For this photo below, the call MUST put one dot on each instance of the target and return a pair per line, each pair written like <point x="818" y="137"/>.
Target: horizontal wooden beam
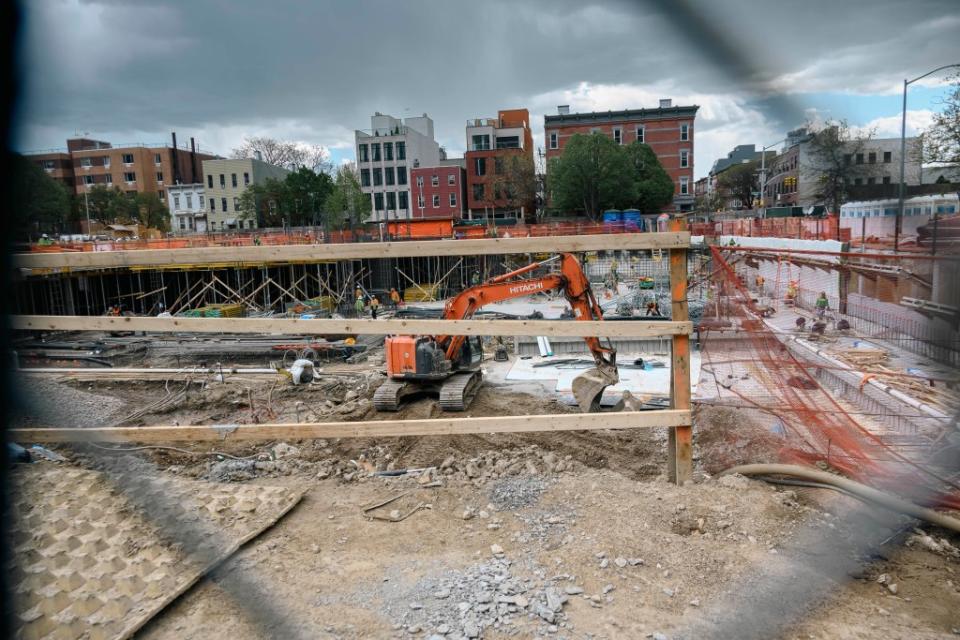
<point x="352" y="251"/>
<point x="328" y="326"/>
<point x="454" y="425"/>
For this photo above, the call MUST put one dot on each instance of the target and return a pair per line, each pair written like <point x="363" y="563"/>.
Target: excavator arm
<point x="589" y="386"/>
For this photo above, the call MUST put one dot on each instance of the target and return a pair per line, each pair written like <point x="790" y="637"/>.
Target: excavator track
<point x="459" y="390"/>
<point x="387" y="397"/>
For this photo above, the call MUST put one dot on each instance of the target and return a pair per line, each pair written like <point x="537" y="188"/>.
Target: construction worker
<point x="394" y="297"/>
<point x="358" y="305"/>
<point x="374" y="305"/>
<point x="475" y="278"/>
<point x="653" y="308"/>
<point x="759" y="282"/>
<point x="822" y="304"/>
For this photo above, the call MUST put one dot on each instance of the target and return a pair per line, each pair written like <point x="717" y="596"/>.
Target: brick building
<point x="439" y="192"/>
<point x="491" y="144"/>
<point x="133" y="168"/>
<point x="669" y="131"/>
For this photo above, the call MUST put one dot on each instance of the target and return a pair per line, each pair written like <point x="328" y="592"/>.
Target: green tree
<point x="267" y="203"/>
<point x="44" y="203"/>
<point x="594" y="173"/>
<point x="151" y="212"/>
<point x="346" y="202"/>
<point x="741" y="181"/>
<point x="104" y="205"/>
<point x="654" y="188"/>
<point x="305" y="194"/>
<point x="516" y="182"/>
<point x="941" y="142"/>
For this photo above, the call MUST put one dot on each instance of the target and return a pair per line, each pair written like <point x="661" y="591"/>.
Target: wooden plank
<point x="350" y="251"/>
<point x="455" y="425"/>
<point x="680" y="438"/>
<point x="363" y="326"/>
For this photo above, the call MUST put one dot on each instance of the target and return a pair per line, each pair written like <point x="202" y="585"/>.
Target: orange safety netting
<point x="816" y="428"/>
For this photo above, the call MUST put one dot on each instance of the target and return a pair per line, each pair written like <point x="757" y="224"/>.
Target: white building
<point x="877" y="218"/>
<point x="187" y="211"/>
<point x="386" y="153"/>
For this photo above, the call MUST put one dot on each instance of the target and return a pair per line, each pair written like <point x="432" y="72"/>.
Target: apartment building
<point x="669" y="131"/>
<point x="439" y="192"/>
<point x="187" y="206"/>
<point x="386" y="153"/>
<point x="224" y="183"/>
<point x="134" y="168"/>
<point x="491" y="145"/>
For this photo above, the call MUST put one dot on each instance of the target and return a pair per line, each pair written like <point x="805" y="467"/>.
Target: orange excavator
<point x="449" y="366"/>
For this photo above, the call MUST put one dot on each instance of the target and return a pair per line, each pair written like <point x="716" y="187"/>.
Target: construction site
<point x="609" y="435"/>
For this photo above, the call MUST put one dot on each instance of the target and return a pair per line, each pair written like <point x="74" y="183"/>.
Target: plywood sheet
<point x="87" y="563"/>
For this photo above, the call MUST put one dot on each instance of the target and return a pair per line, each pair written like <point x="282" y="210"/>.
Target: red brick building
<point x="438" y="192"/>
<point x="669" y="131"/>
<point x="134" y="169"/>
<point x="491" y="143"/>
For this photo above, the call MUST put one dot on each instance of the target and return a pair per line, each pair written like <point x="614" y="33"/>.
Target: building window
<point x="159" y="176"/>
<point x="847" y="159"/>
<point x="481" y="143"/>
<point x="858" y="181"/>
<point x="420" y="182"/>
<point x="618" y="135"/>
<point x="377" y="177"/>
<point x="223" y="204"/>
<point x="213" y="204"/>
<point x="451" y="179"/>
<point x="189" y="202"/>
<point x="871" y="181"/>
<point x="498" y="166"/>
<point x="453" y="199"/>
<point x="887" y="157"/>
<point x="684" y="158"/>
<point x="478" y="192"/>
<point x="859" y="158"/>
<point x="640" y="133"/>
<point x="108" y="178"/>
<point x="85" y="163"/>
<point x="872" y="157"/>
<point x="378" y="201"/>
<point x="223" y="181"/>
<point x="401" y="150"/>
<point x="375" y="147"/>
<point x="420" y="201"/>
<point x="364" y="177"/>
<point x="481" y="166"/>
<point x="403" y="203"/>
<point x="130" y="176"/>
<point x="106" y="162"/>
<point x="157" y="159"/>
<point x="508" y="142"/>
<point x="436" y="201"/>
<point x="246" y="178"/>
<point x="128" y="158"/>
<point x="210" y="181"/>
<point x="401" y="175"/>
<point x="553" y="139"/>
<point x="391" y="201"/>
<point x="87" y="179"/>
<point x="886" y="179"/>
<point x="389" y="175"/>
<point x="684" y="132"/>
<point x="363" y="153"/>
<point x="388" y="151"/>
<point x="233" y="180"/>
<point x="434" y="180"/>
<point x="49" y="165"/>
<point x="236" y="204"/>
<point x="684" y="185"/>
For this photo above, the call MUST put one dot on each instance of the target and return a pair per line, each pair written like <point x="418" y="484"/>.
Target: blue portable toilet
<point x="612" y="216"/>
<point x="631" y="219"/>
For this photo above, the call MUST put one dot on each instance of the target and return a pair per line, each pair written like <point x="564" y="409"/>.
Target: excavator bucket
<point x="588" y="386"/>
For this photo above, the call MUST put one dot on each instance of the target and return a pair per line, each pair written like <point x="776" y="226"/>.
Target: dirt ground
<point x="584" y="519"/>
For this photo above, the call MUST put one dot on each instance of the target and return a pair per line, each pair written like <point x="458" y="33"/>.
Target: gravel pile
<point x="518" y="492"/>
<point x="485" y="597"/>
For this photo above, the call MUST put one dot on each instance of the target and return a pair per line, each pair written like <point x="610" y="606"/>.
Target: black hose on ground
<point x="860" y="491"/>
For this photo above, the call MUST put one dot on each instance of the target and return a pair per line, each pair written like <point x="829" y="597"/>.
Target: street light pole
<point x="86" y="204"/>
<point x="898" y="223"/>
<point x="763" y="174"/>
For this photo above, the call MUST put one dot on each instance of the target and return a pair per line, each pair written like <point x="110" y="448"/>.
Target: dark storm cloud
<point x="315" y="71"/>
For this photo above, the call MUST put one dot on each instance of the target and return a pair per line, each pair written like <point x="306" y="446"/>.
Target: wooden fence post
<point x="680" y="439"/>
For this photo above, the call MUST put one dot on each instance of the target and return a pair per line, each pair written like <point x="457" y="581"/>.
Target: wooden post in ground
<point x="680" y="439"/>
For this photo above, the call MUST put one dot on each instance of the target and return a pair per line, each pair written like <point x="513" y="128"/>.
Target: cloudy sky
<point x="219" y="70"/>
